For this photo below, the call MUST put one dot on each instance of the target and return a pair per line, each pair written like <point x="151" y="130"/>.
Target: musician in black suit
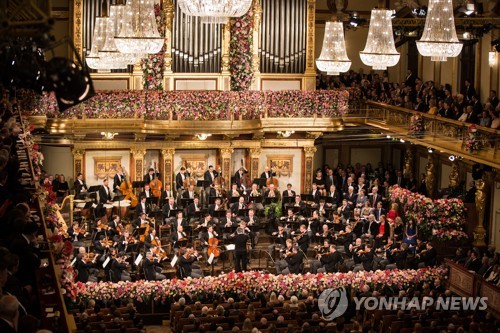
<point x="168" y="207"/>
<point x="104" y="192"/>
<point x="151" y="269"/>
<point x="167" y="193"/>
<point x="189" y="193"/>
<point x="271" y="192"/>
<point x="315" y="193"/>
<point x="179" y="221"/>
<point x="294" y="261"/>
<point x="210" y="175"/>
<point x="177" y="234"/>
<point x="335" y="197"/>
<point x="188" y="257"/>
<point x="142" y="207"/>
<point x="150" y="176"/>
<point x="237" y="207"/>
<point x="83" y="269"/>
<point x="267" y="173"/>
<point x="239" y="175"/>
<point x="240" y="251"/>
<point x="216" y="206"/>
<point x="280" y="238"/>
<point x="117" y="181"/>
<point x="228" y="223"/>
<point x="429" y="257"/>
<point x="118" y="267"/>
<point x="302" y="238"/>
<point x="366" y="259"/>
<point x="80" y="186"/>
<point x="179" y="179"/>
<point x="253" y="224"/>
<point x="330" y="261"/>
<point x="288" y="193"/>
<point x="193" y="208"/>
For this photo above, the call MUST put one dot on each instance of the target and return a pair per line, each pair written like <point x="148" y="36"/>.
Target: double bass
<point x="245" y="180"/>
<point x="272" y="180"/>
<point x="155" y="185"/>
<point x="128" y="192"/>
<point x="188" y="180"/>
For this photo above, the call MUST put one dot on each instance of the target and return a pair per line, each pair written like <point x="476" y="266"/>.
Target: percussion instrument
<point x="121" y="208"/>
<point x="109" y="210"/>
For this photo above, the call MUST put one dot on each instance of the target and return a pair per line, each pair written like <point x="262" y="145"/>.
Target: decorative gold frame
<point x="282" y="165"/>
<point x="197" y="164"/>
<point x="106" y="166"/>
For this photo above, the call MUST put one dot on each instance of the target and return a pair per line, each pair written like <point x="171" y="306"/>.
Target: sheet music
<point x="211" y="258"/>
<point x="138" y="260"/>
<point x="230" y="247"/>
<point x="174" y="261"/>
<point x="106" y="262"/>
<point x="73" y="262"/>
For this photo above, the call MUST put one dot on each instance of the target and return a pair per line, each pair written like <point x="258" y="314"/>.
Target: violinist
<point x="355" y="250"/>
<point x="142" y="207"/>
<point x="240" y="250"/>
<point x="325" y="234"/>
<point x="149" y="239"/>
<point x="216" y="206"/>
<point x="177" y="236"/>
<point x="168" y="208"/>
<point x="293" y="262"/>
<point x="389" y="250"/>
<point x="189" y="193"/>
<point x="188" y="257"/>
<point x="84" y="269"/>
<point x="346" y="238"/>
<point x="101" y="247"/>
<point x="313" y="224"/>
<point x="179" y="179"/>
<point x="289" y="220"/>
<point x="118" y="180"/>
<point x="357" y="225"/>
<point x="301" y="238"/>
<point x="125" y="240"/>
<point x="118" y="268"/>
<point x="113" y="226"/>
<point x="152" y="270"/>
<point x="322" y="211"/>
<point x="366" y="257"/>
<point x="193" y="208"/>
<point x="76" y="234"/>
<point x="330" y="261"/>
<point x="150" y="176"/>
<point x="280" y="238"/>
<point x="320" y="249"/>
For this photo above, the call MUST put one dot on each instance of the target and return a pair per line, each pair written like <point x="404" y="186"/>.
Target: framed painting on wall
<point x="196" y="164"/>
<point x="106" y="166"/>
<point x="282" y="165"/>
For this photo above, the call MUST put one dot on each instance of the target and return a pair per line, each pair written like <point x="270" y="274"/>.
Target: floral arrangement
<point x="240" y="51"/>
<point x="152" y="66"/>
<point x="442" y="219"/>
<point x="251" y="284"/>
<point x="33" y="148"/>
<point x="416" y="125"/>
<point x="471" y="141"/>
<point x="202" y="105"/>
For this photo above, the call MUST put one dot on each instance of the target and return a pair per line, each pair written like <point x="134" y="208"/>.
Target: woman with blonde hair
<point x="393" y="212"/>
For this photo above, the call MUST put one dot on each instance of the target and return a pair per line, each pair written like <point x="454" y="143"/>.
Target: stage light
<point x="452" y="158"/>
<point x="430" y="150"/>
<point x="388" y="136"/>
<point x="402" y="140"/>
<point x="71" y="84"/>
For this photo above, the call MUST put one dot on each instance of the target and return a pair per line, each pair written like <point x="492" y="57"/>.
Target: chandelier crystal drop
<point x="215" y="11"/>
<point x="439" y="39"/>
<point x="95" y="59"/>
<point x="380" y="51"/>
<point x="139" y="32"/>
<point x="333" y="58"/>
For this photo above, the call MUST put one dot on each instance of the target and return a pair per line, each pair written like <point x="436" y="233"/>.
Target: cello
<point x="213" y="247"/>
<point x="245" y="180"/>
<point x="156" y="185"/>
<point x="128" y="192"/>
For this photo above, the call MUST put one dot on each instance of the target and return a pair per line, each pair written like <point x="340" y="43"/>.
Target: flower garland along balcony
<point x="199" y="105"/>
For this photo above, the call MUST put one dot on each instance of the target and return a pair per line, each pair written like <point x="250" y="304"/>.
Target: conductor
<point x="240" y="250"/>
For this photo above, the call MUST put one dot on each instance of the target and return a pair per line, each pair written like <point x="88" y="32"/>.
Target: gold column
<point x="309" y="81"/>
<point x="308" y="168"/>
<point x="430" y="176"/>
<point x="168" y="80"/>
<point x="481" y="196"/>
<point x="137" y="164"/>
<point x="409" y="161"/>
<point x="168" y="166"/>
<point x="78" y="161"/>
<point x="454" y="175"/>
<point x="226" y="75"/>
<point x="254" y="162"/>
<point x="77" y="26"/>
<point x="226" y="155"/>
<point x="257" y="17"/>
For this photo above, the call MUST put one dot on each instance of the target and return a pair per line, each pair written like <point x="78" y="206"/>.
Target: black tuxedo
<point x="208" y="177"/>
<point x="303" y="242"/>
<point x="316" y="195"/>
<point x="185" y="264"/>
<point x="185" y="195"/>
<point x="175" y="224"/>
<point x="83" y="270"/>
<point x="192" y="209"/>
<point x="139" y="209"/>
<point x="103" y="195"/>
<point x="79" y="187"/>
<point x="179" y="182"/>
<point x="294" y="262"/>
<point x="267" y="174"/>
<point x="281" y="239"/>
<point x="240" y="252"/>
<point x="276" y="194"/>
<point x="335" y="197"/>
<point x="149" y="178"/>
<point x="211" y="209"/>
<point x="149" y="269"/>
<point x="166" y="209"/>
<point x="331" y="261"/>
<point x="367" y="260"/>
<point x="345" y="212"/>
<point x="174" y="238"/>
<point x="285" y="194"/>
<point x="117" y="181"/>
<point x="165" y="195"/>
<point x="372" y="227"/>
<point x="117" y="269"/>
<point x="235" y="208"/>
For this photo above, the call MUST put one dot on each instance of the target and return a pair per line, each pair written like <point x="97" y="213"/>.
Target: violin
<point x="88" y="257"/>
<point x="299" y="236"/>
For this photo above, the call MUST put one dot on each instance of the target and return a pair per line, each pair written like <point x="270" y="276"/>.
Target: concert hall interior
<point x="252" y="165"/>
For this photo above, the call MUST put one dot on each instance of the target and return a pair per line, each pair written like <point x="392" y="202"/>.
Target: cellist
<point x="205" y="239"/>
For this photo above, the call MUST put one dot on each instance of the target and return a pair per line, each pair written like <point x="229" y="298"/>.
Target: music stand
<point x="243" y="212"/>
<point x="296" y="209"/>
<point x="174" y="211"/>
<point x="234" y="199"/>
<point x="307" y="197"/>
<point x="94" y="188"/>
<point x="199" y="215"/>
<point x="327" y="199"/>
<point x="149" y="201"/>
<point x="118" y="198"/>
<point x="219" y="213"/>
<point x="270" y="200"/>
<point x="83" y="196"/>
<point x="186" y="201"/>
<point x="288" y="200"/>
<point x="260" y="181"/>
<point x="138" y="184"/>
<point x="211" y="200"/>
<point x="257" y="199"/>
<point x="202" y="183"/>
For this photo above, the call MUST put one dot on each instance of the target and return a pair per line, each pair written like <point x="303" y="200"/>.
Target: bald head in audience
<point x="9" y="310"/>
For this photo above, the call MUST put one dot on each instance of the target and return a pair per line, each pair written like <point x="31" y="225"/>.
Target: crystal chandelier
<point x="333" y="59"/>
<point x="439" y="40"/>
<point x="215" y="11"/>
<point x="139" y="32"/>
<point x="380" y="51"/>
